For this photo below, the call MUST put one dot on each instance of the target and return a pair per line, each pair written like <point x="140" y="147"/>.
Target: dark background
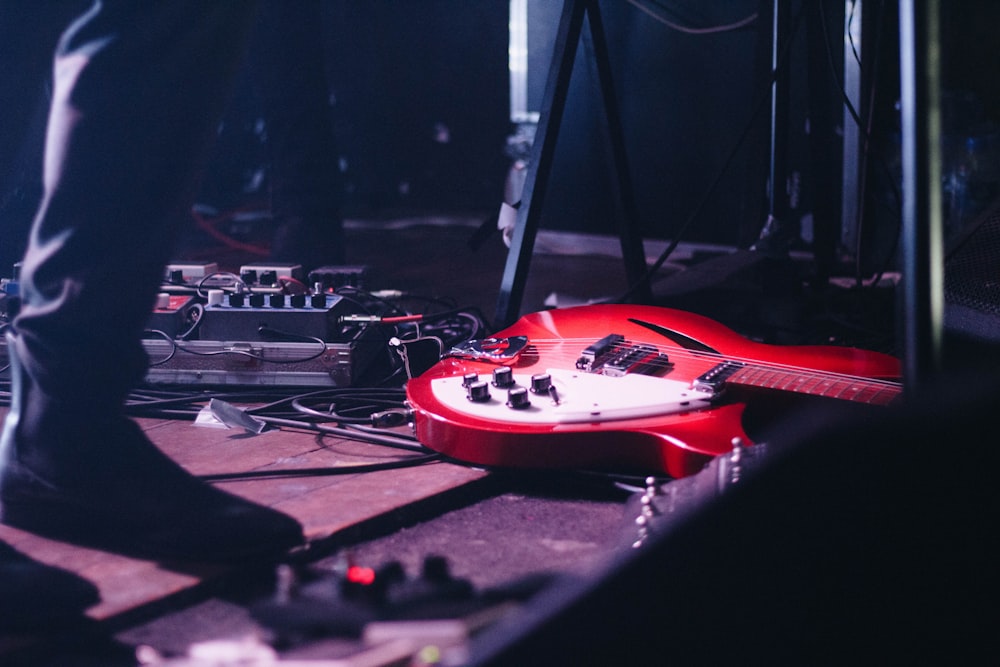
<point x="420" y="100"/>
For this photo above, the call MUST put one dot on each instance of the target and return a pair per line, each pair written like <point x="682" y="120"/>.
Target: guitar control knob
<point x="276" y="300"/>
<point x="478" y="391"/>
<point x="257" y="300"/>
<point x="540" y="383"/>
<point x="469" y="378"/>
<point x="503" y="377"/>
<point x="517" y="398"/>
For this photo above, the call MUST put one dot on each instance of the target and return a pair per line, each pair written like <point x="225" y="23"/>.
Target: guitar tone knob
<point x="478" y="392"/>
<point x="517" y="398"/>
<point x="469" y="378"/>
<point x="503" y="377"/>
<point x="540" y="383"/>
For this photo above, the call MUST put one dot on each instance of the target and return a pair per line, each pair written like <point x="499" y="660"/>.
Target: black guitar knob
<point x="540" y="383"/>
<point x="503" y="377"/>
<point x="517" y="398"/>
<point x="478" y="392"/>
<point x="469" y="378"/>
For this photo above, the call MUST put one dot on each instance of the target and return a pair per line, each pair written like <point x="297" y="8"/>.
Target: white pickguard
<point x="583" y="397"/>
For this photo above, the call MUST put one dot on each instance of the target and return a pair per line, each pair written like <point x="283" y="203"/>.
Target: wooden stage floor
<point x="325" y="505"/>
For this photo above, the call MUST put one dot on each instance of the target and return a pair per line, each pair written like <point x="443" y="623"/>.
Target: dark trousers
<point x="139" y="88"/>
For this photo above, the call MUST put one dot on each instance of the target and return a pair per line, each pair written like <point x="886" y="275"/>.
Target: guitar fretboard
<point x="828" y="385"/>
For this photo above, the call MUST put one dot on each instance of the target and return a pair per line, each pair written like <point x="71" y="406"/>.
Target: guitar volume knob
<point x="517" y="398"/>
<point x="478" y="391"/>
<point x="503" y="377"/>
<point x="540" y="383"/>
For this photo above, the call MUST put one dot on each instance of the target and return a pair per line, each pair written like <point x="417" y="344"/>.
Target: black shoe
<point x="80" y="475"/>
<point x="39" y="598"/>
<point x="107" y="486"/>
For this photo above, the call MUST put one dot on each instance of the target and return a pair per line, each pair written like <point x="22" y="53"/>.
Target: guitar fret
<point x="817" y="382"/>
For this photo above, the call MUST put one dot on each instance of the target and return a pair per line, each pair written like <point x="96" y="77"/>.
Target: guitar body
<point x="655" y="417"/>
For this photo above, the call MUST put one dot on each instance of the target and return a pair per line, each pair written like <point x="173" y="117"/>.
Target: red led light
<point x="360" y="575"/>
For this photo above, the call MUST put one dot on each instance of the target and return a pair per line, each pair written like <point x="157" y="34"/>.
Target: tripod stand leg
<point x="543" y="150"/>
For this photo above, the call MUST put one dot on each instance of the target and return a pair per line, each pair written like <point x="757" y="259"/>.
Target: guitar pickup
<point x="713" y="379"/>
<point x="594" y="354"/>
<point x="628" y="360"/>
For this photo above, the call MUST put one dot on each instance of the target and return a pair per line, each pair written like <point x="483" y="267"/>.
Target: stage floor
<point x="493" y="528"/>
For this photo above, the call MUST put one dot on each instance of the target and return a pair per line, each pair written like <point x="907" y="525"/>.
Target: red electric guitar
<point x="622" y="387"/>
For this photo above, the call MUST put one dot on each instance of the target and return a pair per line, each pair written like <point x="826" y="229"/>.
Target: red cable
<point x="208" y="227"/>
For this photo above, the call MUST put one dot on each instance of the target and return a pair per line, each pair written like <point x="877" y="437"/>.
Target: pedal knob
<point x="503" y="377"/>
<point x="276" y="300"/>
<point x="540" y="383"/>
<point x="478" y="391"/>
<point x="517" y="398"/>
<point x="297" y="300"/>
<point x="257" y="300"/>
<point x="236" y="300"/>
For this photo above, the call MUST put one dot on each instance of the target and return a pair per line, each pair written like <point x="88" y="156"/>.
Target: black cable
<point x="319" y="472"/>
<point x="176" y="345"/>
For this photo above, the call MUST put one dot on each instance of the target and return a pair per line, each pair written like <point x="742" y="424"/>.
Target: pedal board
<point x="257" y="337"/>
<point x="260" y="338"/>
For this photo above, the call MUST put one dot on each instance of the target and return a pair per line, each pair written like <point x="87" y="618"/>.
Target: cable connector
<point x="391" y="418"/>
<point x="388" y="294"/>
<point x="360" y="318"/>
<point x="400" y="319"/>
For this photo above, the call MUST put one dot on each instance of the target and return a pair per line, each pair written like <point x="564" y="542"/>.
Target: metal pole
<point x="922" y="228"/>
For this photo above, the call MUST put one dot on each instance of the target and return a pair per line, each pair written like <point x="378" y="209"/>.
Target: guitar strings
<point x="680" y="353"/>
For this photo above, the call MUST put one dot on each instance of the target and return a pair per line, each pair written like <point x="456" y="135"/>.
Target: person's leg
<point x="138" y="90"/>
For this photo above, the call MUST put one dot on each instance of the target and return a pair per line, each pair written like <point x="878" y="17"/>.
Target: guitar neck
<point x="817" y="383"/>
